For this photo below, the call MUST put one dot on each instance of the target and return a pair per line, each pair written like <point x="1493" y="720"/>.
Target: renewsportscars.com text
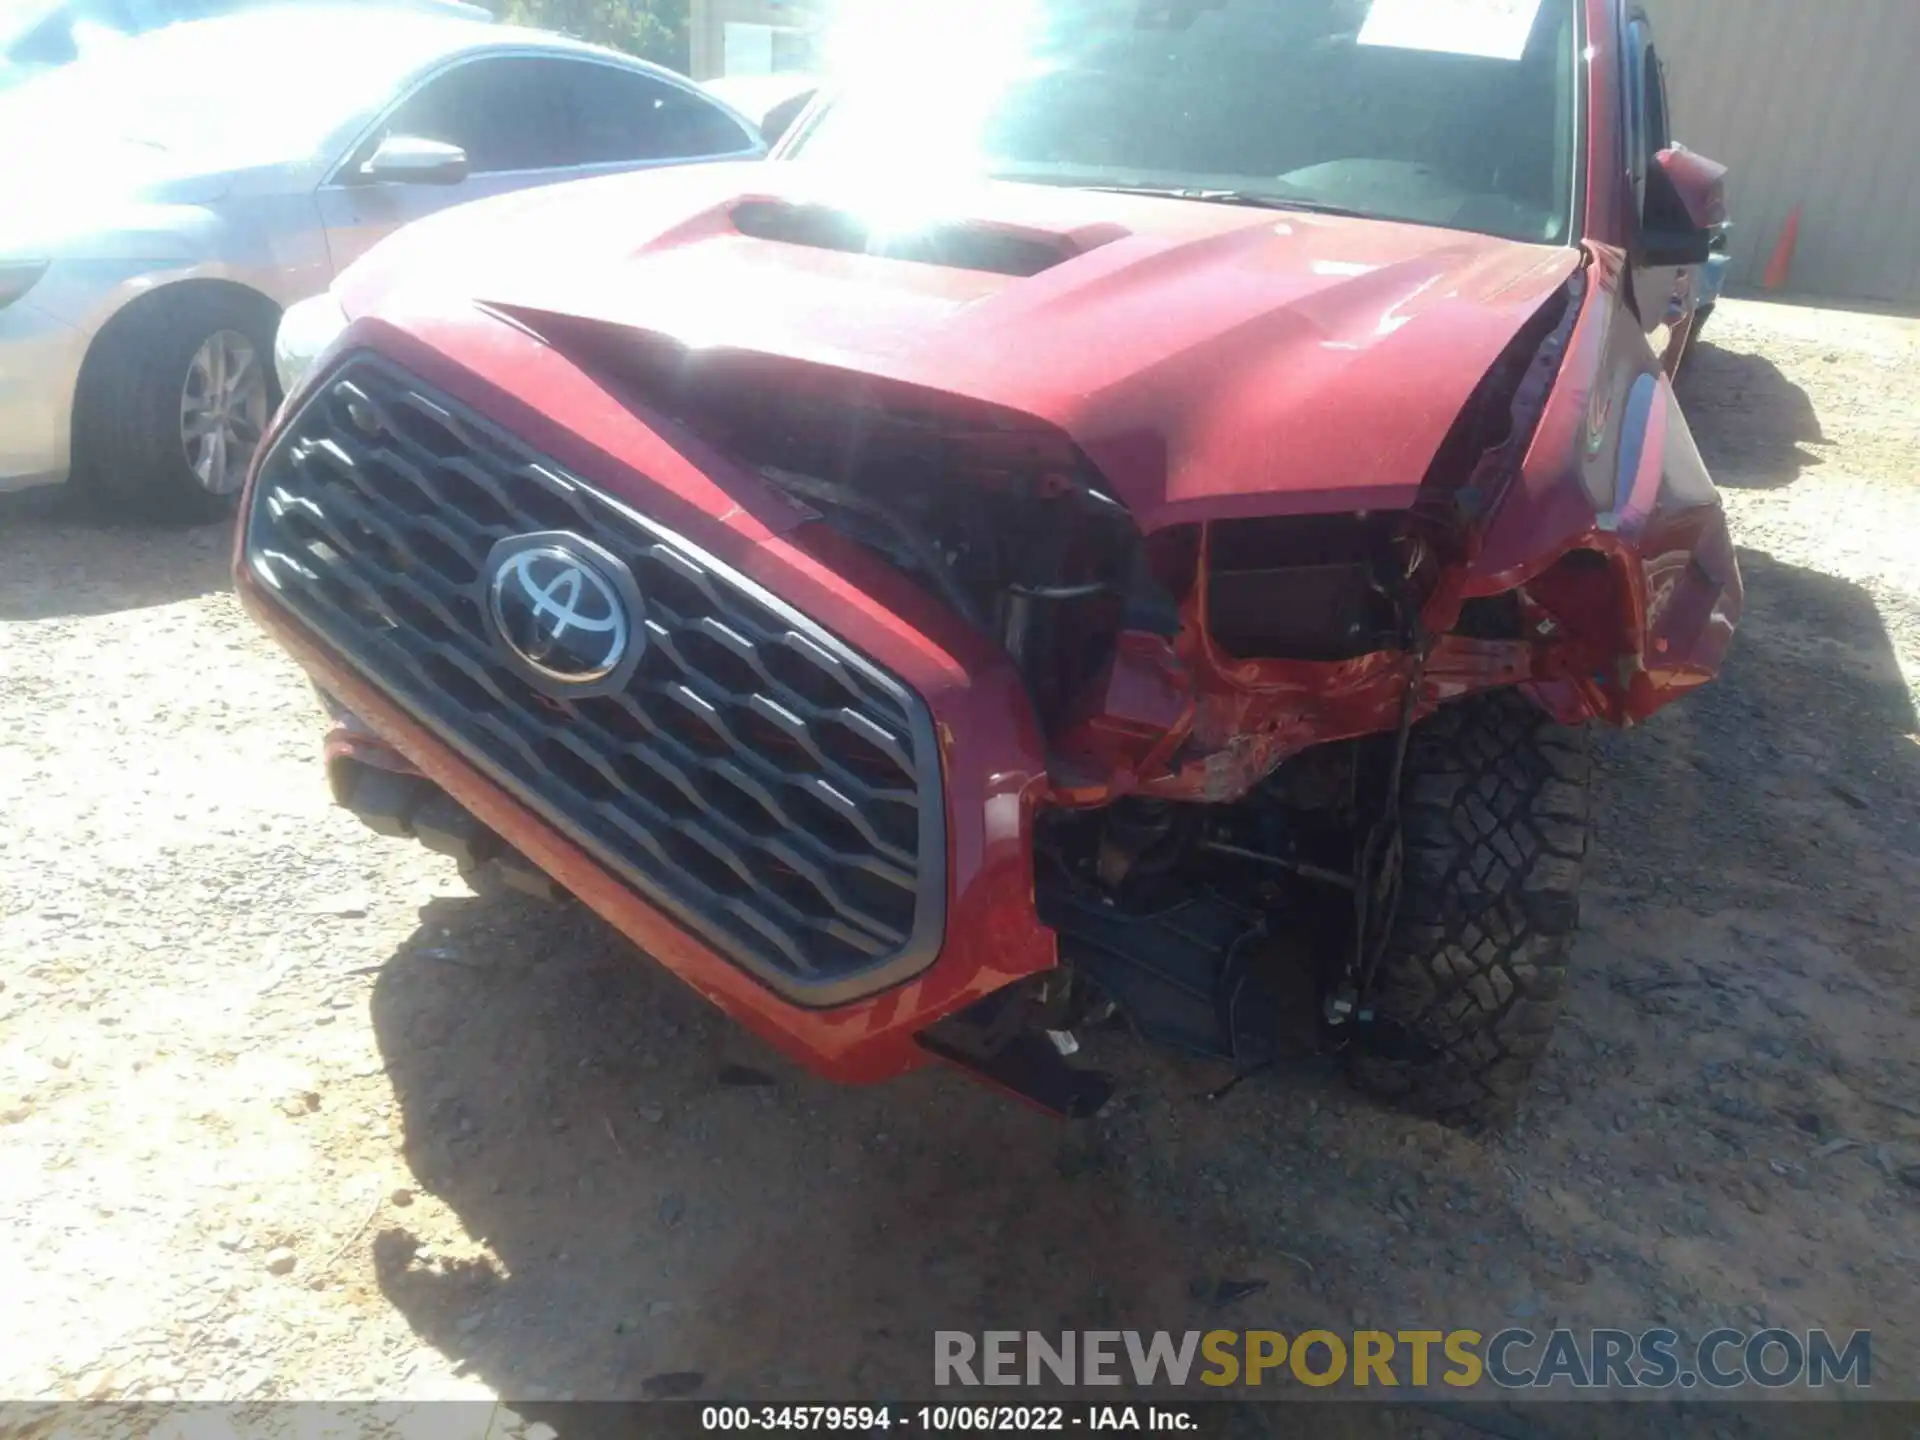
<point x="1510" y="1359"/>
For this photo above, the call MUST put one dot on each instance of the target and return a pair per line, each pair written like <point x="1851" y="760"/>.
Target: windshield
<point x="1444" y="112"/>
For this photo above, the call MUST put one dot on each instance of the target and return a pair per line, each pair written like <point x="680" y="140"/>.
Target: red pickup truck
<point x="1134" y="524"/>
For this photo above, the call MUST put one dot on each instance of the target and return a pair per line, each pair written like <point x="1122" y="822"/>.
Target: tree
<point x="655" y="29"/>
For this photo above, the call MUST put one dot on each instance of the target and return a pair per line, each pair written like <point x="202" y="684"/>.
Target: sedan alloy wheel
<point x="224" y="404"/>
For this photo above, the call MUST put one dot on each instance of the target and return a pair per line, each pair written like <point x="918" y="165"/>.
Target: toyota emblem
<point x="566" y="610"/>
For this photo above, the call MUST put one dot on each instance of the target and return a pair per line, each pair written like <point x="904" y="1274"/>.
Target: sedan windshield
<point x="1458" y="113"/>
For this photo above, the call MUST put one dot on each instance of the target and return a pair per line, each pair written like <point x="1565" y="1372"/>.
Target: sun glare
<point x="944" y="62"/>
<point x="914" y="41"/>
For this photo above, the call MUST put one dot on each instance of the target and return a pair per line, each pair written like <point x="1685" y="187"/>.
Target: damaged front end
<point x="1159" y="729"/>
<point x="1300" y="630"/>
<point x="1184" y="664"/>
<point x="1224" y="703"/>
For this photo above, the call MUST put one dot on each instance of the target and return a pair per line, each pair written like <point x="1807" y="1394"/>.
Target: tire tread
<point x="127" y="457"/>
<point x="1494" y="815"/>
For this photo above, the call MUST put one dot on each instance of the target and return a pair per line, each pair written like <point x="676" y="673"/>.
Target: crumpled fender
<point x="1609" y="529"/>
<point x="1613" y="526"/>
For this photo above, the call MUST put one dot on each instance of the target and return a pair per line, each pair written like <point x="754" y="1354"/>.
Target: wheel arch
<point x="125" y="321"/>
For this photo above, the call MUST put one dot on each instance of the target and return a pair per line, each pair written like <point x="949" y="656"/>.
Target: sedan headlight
<point x="305" y="330"/>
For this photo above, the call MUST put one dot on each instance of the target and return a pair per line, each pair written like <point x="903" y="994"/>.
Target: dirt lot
<point x="289" y="1113"/>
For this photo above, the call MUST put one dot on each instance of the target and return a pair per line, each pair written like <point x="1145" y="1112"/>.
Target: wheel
<point x="173" y="407"/>
<point x="1494" y="817"/>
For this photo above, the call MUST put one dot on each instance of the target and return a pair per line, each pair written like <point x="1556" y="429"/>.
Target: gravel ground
<point x="287" y="1112"/>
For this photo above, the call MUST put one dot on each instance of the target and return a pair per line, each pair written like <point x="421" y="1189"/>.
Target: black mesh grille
<point x="755" y="777"/>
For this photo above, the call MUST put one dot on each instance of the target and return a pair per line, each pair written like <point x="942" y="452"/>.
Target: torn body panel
<point x="1603" y="530"/>
<point x="1614" y="486"/>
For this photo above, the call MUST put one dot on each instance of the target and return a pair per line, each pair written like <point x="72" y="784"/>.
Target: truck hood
<point x="1211" y="360"/>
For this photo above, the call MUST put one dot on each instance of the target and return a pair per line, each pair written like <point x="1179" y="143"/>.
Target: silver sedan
<point x="163" y="203"/>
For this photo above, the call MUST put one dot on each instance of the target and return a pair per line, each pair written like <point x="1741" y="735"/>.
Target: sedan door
<point x="523" y="120"/>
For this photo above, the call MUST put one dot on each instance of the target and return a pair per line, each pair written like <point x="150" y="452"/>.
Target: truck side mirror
<point x="1685" y="207"/>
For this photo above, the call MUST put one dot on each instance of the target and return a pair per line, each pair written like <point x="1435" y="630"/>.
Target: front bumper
<point x="39" y="368"/>
<point x="862" y="1026"/>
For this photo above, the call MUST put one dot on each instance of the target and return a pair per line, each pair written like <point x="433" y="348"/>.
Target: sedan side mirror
<point x="1686" y="205"/>
<point x="409" y="160"/>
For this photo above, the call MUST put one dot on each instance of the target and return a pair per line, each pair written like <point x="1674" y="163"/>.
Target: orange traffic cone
<point x="1781" y="265"/>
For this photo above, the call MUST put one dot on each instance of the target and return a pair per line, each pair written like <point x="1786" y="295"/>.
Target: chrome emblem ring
<point x="564" y="609"/>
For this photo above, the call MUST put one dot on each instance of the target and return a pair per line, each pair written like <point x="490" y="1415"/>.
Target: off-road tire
<point x="128" y="460"/>
<point x="1494" y="815"/>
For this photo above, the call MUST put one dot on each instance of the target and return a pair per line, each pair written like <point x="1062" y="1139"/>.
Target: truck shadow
<point x="1753" y="425"/>
<point x="671" y="1209"/>
<point x="655" y="1206"/>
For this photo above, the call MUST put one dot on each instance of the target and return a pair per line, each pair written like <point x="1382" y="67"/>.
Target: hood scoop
<point x="954" y="245"/>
